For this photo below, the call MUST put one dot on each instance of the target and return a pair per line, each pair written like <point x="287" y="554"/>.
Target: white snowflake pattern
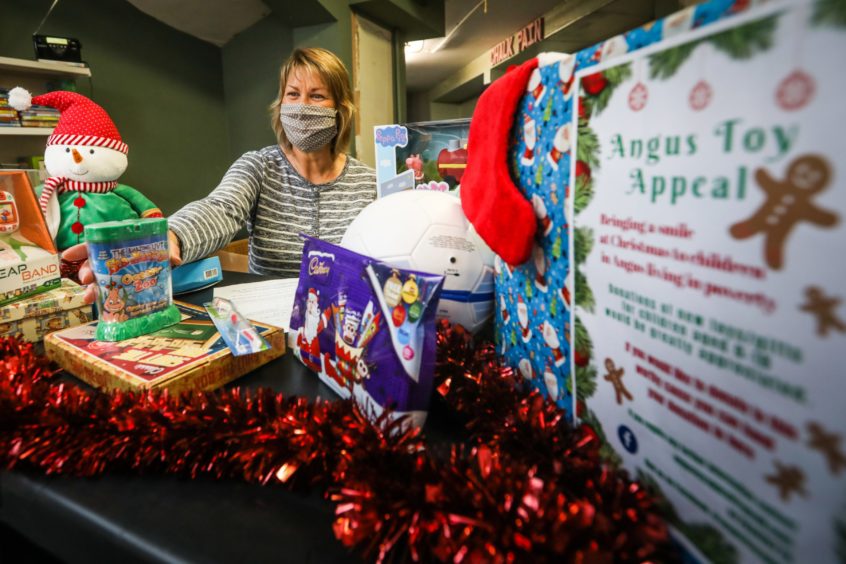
<point x="638" y="97"/>
<point x="795" y="91"/>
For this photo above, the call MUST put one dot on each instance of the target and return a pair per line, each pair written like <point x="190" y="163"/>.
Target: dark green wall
<point x="335" y="36"/>
<point x="162" y="88"/>
<point x="186" y="108"/>
<point x="251" y="64"/>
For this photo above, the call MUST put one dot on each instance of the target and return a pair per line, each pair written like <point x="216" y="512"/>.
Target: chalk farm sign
<point x="530" y="34"/>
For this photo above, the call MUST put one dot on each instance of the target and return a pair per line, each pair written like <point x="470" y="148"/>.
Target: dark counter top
<point x="162" y="519"/>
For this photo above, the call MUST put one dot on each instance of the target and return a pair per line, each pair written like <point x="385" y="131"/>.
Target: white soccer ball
<point x="428" y="231"/>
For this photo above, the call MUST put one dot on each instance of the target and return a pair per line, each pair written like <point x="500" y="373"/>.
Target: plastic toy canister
<point x="131" y="264"/>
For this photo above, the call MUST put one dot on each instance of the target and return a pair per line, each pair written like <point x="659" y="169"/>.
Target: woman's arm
<point x="207" y="225"/>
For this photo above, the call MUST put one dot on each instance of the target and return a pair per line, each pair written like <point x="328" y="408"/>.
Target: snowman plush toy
<point x="85" y="156"/>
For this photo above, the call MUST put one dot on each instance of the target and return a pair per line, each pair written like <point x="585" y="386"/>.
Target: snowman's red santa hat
<point x="82" y="121"/>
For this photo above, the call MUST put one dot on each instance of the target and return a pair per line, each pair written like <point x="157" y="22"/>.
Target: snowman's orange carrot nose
<point x="77" y="158"/>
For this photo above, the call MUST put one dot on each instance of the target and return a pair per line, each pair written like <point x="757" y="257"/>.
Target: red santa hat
<point x="499" y="211"/>
<point x="82" y="121"/>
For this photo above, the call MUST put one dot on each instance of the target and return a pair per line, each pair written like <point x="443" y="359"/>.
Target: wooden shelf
<point x="41" y="131"/>
<point x="36" y="77"/>
<point x="26" y="66"/>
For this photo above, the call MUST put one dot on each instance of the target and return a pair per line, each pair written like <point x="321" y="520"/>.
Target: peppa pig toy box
<point x="428" y="155"/>
<point x="29" y="262"/>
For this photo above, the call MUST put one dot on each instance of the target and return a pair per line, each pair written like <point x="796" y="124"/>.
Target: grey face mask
<point x="308" y="127"/>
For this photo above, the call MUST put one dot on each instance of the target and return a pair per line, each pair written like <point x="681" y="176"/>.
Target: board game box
<point x="190" y="355"/>
<point x="32" y="318"/>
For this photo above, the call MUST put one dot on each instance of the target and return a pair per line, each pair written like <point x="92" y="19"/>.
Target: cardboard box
<point x="34" y="329"/>
<point x="69" y="295"/>
<point x="29" y="262"/>
<point x="190" y="355"/>
<point x="234" y="256"/>
<point x="33" y="318"/>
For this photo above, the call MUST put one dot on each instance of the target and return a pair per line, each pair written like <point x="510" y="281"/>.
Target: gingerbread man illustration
<point x="615" y="376"/>
<point x="787" y="203"/>
<point x="788" y="480"/>
<point x="823" y="307"/>
<point x="828" y="444"/>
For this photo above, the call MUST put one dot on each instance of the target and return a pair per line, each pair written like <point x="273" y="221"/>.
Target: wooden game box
<point x="32" y="318"/>
<point x="190" y="355"/>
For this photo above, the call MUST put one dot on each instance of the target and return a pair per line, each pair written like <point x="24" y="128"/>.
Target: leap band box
<point x="32" y="318"/>
<point x="190" y="355"/>
<point x="29" y="262"/>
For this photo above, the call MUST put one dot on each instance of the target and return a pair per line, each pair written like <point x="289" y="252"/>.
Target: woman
<point x="304" y="183"/>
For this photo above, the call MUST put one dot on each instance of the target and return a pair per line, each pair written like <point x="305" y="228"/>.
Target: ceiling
<point x="215" y="21"/>
<point x="472" y="26"/>
<point x="467" y="40"/>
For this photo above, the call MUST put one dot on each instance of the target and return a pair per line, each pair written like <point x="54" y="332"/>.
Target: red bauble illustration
<point x="638" y="96"/>
<point x="582" y="169"/>
<point x="795" y="91"/>
<point x="700" y="96"/>
<point x="594" y="83"/>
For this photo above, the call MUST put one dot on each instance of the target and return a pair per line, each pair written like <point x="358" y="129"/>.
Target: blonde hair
<point x="334" y="74"/>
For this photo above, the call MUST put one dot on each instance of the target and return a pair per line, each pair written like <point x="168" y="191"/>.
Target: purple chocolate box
<point x="367" y="329"/>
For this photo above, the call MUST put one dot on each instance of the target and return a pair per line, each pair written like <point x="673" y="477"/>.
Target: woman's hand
<point x="175" y="248"/>
<point x="86" y="275"/>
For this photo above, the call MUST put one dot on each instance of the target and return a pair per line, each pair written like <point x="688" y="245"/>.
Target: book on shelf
<point x="190" y="355"/>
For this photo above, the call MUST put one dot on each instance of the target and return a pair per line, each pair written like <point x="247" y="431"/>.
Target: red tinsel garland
<point x="526" y="487"/>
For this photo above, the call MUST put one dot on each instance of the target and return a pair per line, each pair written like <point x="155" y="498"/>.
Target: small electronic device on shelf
<point x="59" y="49"/>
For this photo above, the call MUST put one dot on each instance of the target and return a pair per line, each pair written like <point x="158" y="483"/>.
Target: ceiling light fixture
<point x="413" y="47"/>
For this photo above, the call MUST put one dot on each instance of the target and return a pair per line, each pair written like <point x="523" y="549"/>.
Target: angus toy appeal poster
<point x="708" y="216"/>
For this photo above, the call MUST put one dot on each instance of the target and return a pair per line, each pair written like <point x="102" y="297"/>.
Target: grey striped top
<point x="263" y="190"/>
